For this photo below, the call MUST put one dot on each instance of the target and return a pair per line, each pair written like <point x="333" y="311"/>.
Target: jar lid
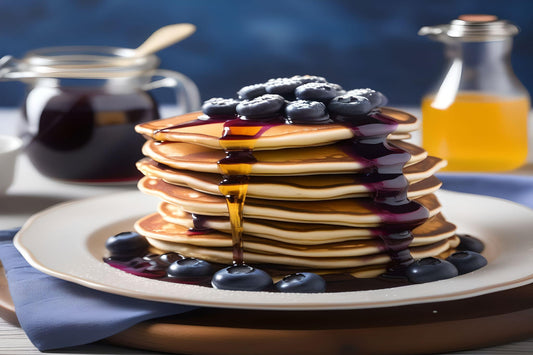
<point x="474" y="27"/>
<point x="97" y="62"/>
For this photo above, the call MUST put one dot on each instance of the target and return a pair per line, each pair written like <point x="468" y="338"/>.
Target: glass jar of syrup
<point x="82" y="105"/>
<point x="476" y="116"/>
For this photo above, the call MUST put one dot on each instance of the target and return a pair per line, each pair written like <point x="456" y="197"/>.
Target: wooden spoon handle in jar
<point x="165" y="37"/>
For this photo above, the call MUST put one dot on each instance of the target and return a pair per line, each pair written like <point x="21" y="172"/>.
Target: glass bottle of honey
<point x="476" y="117"/>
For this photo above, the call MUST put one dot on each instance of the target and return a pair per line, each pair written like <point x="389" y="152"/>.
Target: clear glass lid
<point x="78" y="62"/>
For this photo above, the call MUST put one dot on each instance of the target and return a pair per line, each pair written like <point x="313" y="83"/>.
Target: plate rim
<point x="293" y="301"/>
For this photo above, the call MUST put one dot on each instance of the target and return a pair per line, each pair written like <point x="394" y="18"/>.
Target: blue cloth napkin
<point x="57" y="314"/>
<point x="510" y="187"/>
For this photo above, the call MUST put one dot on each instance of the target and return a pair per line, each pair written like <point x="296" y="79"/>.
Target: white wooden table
<point x="32" y="192"/>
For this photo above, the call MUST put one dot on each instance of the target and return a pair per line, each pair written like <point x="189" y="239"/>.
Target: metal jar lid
<point x="472" y="28"/>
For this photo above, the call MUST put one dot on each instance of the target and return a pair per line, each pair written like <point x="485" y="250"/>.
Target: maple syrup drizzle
<point x="383" y="175"/>
<point x="237" y="140"/>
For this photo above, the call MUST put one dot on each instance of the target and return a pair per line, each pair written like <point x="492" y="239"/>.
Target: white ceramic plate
<point x="67" y="241"/>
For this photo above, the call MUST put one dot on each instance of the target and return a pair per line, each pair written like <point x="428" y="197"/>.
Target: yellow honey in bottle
<point x="477" y="132"/>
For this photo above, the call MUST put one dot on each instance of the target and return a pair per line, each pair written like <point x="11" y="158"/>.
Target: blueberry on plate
<point x="323" y="92"/>
<point x="241" y="278"/>
<point x="304" y="111"/>
<point x="466" y="261"/>
<point x="218" y="106"/>
<point x="304" y="79"/>
<point x="430" y="269"/>
<point x="467" y="242"/>
<point x="170" y="257"/>
<point x="251" y="91"/>
<point x="155" y="261"/>
<point x="283" y="86"/>
<point x="264" y="105"/>
<point x="162" y="260"/>
<point x="138" y="267"/>
<point x="189" y="268"/>
<point x="304" y="282"/>
<point x="350" y="104"/>
<point x="126" y="244"/>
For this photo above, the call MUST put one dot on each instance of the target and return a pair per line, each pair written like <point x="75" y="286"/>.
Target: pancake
<point x="329" y="159"/>
<point x="224" y="255"/>
<point x="275" y="137"/>
<point x="312" y="187"/>
<point x="357" y="212"/>
<point x="217" y="232"/>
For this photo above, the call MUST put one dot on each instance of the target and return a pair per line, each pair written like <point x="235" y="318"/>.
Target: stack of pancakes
<point x="307" y="204"/>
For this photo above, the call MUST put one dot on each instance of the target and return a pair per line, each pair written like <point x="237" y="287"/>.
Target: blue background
<point x="354" y="43"/>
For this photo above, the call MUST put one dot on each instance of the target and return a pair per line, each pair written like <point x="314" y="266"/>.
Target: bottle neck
<point x="483" y="66"/>
<point x="479" y="54"/>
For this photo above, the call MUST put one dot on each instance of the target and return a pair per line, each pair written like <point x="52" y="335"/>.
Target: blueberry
<point x="466" y="261"/>
<point x="251" y="91"/>
<point x="189" y="268"/>
<point x="430" y="269"/>
<point x="283" y="86"/>
<point x="376" y="98"/>
<point x="241" y="278"/>
<point x="162" y="260"/>
<point x="350" y="105"/>
<point x="304" y="282"/>
<point x="303" y="111"/>
<point x="138" y="266"/>
<point x="316" y="91"/>
<point x="264" y="105"/>
<point x="126" y="244"/>
<point x="304" y="79"/>
<point x="218" y="106"/>
<point x="169" y="258"/>
<point x="339" y="88"/>
<point x="155" y="261"/>
<point x="467" y="242"/>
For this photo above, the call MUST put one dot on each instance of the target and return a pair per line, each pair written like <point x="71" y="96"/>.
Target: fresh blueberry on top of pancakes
<point x="262" y="106"/>
<point x="350" y="105"/>
<point x="376" y="98"/>
<point x="218" y="106"/>
<point x="323" y="92"/>
<point x="283" y="86"/>
<point x="305" y="111"/>
<point x="304" y="79"/>
<point x="251" y="91"/>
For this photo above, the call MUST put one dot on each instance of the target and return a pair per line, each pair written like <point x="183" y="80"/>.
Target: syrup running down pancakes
<point x="295" y="182"/>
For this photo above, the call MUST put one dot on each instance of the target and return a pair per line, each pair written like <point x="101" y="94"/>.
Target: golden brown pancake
<point x="329" y="159"/>
<point x="357" y="212"/>
<point x="311" y="187"/>
<point x="276" y="137"/>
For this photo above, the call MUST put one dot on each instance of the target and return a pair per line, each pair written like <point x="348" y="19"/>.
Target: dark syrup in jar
<point x="85" y="134"/>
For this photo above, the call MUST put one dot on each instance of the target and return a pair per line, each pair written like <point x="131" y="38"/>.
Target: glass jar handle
<point x="187" y="94"/>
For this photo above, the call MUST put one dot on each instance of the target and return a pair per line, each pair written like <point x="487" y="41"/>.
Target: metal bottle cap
<point x="472" y="28"/>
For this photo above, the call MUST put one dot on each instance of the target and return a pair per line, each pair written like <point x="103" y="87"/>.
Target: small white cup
<point x="10" y="146"/>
